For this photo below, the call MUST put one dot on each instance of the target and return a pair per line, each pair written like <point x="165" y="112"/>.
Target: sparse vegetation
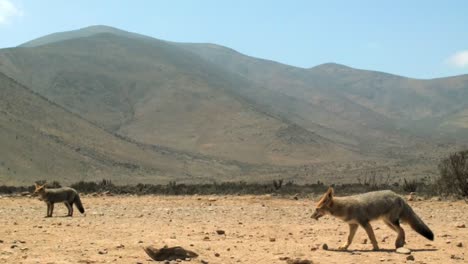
<point x="234" y="188"/>
<point x="453" y="178"/>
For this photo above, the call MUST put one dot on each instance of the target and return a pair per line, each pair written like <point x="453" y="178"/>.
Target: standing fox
<point x="361" y="209"/>
<point x="67" y="195"/>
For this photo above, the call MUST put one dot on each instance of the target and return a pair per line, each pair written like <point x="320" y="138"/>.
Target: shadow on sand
<point x="381" y="250"/>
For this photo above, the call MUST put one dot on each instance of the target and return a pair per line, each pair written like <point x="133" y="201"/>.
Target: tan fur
<point x="360" y="210"/>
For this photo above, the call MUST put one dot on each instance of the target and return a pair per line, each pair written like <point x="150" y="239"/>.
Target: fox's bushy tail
<point x="416" y="223"/>
<point x="78" y="203"/>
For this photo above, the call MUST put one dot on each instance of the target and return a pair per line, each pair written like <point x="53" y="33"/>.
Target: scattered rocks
<point x="410" y="257"/>
<point x="325" y="246"/>
<point x="456" y="257"/>
<point x="169" y="253"/>
<point x="403" y="250"/>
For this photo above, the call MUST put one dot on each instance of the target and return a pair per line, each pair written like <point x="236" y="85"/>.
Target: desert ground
<point x="257" y="229"/>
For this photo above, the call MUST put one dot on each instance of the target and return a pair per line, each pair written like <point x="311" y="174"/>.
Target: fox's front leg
<point x="48" y="210"/>
<point x="371" y="235"/>
<point x="352" y="232"/>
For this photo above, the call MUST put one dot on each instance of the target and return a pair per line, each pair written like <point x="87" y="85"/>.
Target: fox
<point x="67" y="195"/>
<point x="359" y="210"/>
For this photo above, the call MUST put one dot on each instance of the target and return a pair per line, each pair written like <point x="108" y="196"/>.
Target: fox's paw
<point x="343" y="247"/>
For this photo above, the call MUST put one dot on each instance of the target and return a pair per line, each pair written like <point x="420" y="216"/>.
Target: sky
<point x="418" y="39"/>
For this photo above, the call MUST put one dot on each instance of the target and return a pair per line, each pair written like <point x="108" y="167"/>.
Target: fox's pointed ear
<point x="330" y="192"/>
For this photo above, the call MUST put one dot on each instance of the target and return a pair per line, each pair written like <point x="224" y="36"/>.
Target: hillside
<point x="157" y="93"/>
<point x="41" y="140"/>
<point x="152" y="110"/>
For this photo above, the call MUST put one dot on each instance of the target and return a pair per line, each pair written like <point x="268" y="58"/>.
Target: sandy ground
<point x="258" y="229"/>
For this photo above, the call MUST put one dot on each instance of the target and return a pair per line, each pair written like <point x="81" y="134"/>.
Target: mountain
<point x="207" y="112"/>
<point x="42" y="140"/>
<point x="157" y="93"/>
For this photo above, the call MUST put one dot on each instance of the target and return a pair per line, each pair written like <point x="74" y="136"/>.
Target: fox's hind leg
<point x="352" y="232"/>
<point x="395" y="226"/>
<point x="70" y="208"/>
<point x="371" y="235"/>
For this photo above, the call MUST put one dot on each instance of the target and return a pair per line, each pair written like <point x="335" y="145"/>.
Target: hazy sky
<point x="422" y="39"/>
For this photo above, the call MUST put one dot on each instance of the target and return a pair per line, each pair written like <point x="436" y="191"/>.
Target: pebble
<point x="272" y="239"/>
<point x="459" y="244"/>
<point x="410" y="257"/>
<point x="220" y="232"/>
<point x="325" y="247"/>
<point x="461" y="226"/>
<point x="403" y="250"/>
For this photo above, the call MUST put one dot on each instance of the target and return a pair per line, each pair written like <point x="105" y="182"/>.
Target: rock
<point x="102" y="252"/>
<point x="410" y="257"/>
<point x="169" y="253"/>
<point x="217" y="254"/>
<point x="299" y="261"/>
<point x="272" y="239"/>
<point x="459" y="244"/>
<point x="461" y="226"/>
<point x="1" y="241"/>
<point x="120" y="246"/>
<point x="403" y="250"/>
<point x="203" y="261"/>
<point x="325" y="246"/>
<point x="364" y="241"/>
<point x="212" y="199"/>
<point x="220" y="232"/>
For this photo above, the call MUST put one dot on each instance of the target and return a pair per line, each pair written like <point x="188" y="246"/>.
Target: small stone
<point x="1" y="241"/>
<point x="364" y="241"/>
<point x="325" y="247"/>
<point x="459" y="244"/>
<point x="203" y="261"/>
<point x="298" y="261"/>
<point x="206" y="238"/>
<point x="283" y="258"/>
<point x="403" y="250"/>
<point x="448" y="241"/>
<point x="272" y="239"/>
<point x="217" y="254"/>
<point x="102" y="252"/>
<point x="382" y="259"/>
<point x="220" y="232"/>
<point x="120" y="246"/>
<point x="410" y="257"/>
<point x="461" y="226"/>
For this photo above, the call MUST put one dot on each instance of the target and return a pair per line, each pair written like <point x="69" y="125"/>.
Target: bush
<point x="453" y="178"/>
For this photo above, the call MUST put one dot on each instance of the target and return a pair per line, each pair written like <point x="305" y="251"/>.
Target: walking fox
<point x="66" y="195"/>
<point x="361" y="209"/>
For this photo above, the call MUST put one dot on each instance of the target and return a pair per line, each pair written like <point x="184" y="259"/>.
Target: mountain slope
<point x="157" y="93"/>
<point x="41" y="140"/>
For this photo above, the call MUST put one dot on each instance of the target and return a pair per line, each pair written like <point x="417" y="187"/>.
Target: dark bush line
<point x="225" y="188"/>
<point x="453" y="181"/>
